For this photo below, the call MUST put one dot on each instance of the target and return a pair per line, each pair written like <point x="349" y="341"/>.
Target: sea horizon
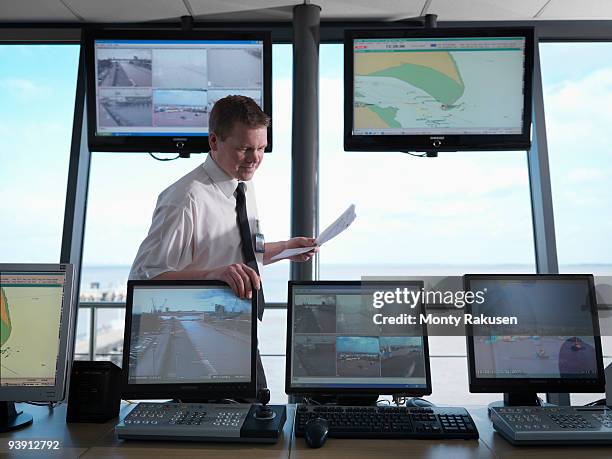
<point x="109" y="282"/>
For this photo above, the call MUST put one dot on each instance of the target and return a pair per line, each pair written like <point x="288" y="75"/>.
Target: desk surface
<point x="99" y="440"/>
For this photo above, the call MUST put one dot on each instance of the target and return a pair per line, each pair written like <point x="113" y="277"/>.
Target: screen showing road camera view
<point x="168" y="87"/>
<point x="189" y="334"/>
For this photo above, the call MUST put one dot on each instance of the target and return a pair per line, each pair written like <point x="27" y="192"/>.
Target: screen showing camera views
<point x="168" y="87"/>
<point x="189" y="335"/>
<point x="336" y="344"/>
<point x="554" y="335"/>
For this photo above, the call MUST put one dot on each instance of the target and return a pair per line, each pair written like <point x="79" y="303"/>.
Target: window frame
<point x="331" y="32"/>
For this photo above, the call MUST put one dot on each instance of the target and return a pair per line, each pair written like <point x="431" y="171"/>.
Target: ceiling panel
<point x="485" y="10"/>
<point x="277" y="10"/>
<point x="35" y="11"/>
<point x="236" y="10"/>
<point x="281" y="10"/>
<point x="370" y="9"/>
<point x="583" y="9"/>
<point x="127" y="10"/>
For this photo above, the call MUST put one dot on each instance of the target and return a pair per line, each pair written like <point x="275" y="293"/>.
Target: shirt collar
<point x="219" y="177"/>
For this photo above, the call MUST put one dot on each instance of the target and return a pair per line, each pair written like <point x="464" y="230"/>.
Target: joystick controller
<point x="264" y="412"/>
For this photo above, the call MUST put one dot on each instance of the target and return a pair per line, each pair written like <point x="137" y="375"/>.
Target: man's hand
<point x="297" y="242"/>
<point x="238" y="276"/>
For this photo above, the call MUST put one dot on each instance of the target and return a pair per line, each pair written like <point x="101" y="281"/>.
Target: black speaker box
<point x="95" y="392"/>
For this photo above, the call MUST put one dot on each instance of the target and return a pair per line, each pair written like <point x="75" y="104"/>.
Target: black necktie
<point x="248" y="252"/>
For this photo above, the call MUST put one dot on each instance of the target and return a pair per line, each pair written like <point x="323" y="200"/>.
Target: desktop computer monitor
<point x="37" y="312"/>
<point x="553" y="346"/>
<point x="335" y="346"/>
<point x="188" y="340"/>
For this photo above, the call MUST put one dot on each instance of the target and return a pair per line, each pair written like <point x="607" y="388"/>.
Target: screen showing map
<point x="189" y="334"/>
<point x="444" y="86"/>
<point x="168" y="87"/>
<point x="30" y="318"/>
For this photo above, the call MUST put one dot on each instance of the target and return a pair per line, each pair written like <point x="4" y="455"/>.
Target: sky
<point x="187" y="299"/>
<point x="175" y="97"/>
<point x="357" y="344"/>
<point x="458" y="208"/>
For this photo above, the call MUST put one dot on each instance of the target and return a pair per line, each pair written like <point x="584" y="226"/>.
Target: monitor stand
<point x="10" y="419"/>
<point x="517" y="399"/>
<point x="345" y="400"/>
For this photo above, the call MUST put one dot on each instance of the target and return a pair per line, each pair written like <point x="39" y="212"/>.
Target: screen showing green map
<point x="429" y="86"/>
<point x="30" y="315"/>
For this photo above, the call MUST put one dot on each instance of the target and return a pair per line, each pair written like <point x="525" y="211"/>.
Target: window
<point x="458" y="213"/>
<point x="577" y="102"/>
<point x="449" y="215"/>
<point x="123" y="190"/>
<point x="37" y="90"/>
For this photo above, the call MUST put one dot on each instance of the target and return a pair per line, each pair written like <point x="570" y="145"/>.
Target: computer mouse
<point x="315" y="432"/>
<point x="417" y="402"/>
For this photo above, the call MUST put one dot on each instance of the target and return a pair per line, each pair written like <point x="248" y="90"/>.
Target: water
<point x="108" y="283"/>
<point x="447" y="352"/>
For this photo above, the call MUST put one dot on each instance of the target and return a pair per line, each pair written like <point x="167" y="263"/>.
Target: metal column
<point x="541" y="194"/>
<point x="539" y="181"/>
<point x="305" y="130"/>
<point x="78" y="182"/>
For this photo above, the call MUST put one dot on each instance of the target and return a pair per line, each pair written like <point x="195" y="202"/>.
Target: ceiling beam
<point x="331" y="31"/>
<point x="72" y="11"/>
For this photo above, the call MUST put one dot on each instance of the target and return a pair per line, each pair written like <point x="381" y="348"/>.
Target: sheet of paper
<point x="333" y="230"/>
<point x="337" y="227"/>
<point x="291" y="252"/>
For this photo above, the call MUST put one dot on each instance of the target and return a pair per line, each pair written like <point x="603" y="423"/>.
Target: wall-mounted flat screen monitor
<point x="153" y="90"/>
<point x="438" y="89"/>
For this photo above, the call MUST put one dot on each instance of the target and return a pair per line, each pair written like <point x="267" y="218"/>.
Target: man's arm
<point x="182" y="275"/>
<point x="274" y="248"/>
<point x="241" y="278"/>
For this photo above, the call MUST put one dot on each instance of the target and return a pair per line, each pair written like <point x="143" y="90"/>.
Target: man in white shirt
<point x="195" y="231"/>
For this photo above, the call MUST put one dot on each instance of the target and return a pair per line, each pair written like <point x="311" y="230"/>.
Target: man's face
<point x="241" y="153"/>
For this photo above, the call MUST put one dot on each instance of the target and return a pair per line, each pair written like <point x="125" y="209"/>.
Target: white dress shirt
<point x="194" y="225"/>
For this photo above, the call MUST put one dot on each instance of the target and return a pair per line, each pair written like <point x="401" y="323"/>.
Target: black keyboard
<point x="389" y="422"/>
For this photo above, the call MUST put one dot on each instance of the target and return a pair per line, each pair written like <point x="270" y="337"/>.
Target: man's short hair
<point x="235" y="109"/>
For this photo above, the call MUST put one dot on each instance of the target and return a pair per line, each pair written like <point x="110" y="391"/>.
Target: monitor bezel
<point x="438" y="142"/>
<point x="57" y="392"/>
<point x="187" y="391"/>
<point x="524" y="385"/>
<point x="164" y="144"/>
<point x="305" y="391"/>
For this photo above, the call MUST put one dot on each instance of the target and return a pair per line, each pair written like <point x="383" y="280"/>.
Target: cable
<point x="601" y="401"/>
<point x="310" y="401"/>
<point x="50" y="405"/>
<point x="422" y="155"/>
<point x="164" y="159"/>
